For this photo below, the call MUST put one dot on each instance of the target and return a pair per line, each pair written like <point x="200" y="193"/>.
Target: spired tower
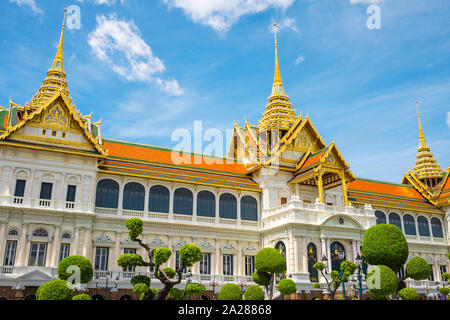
<point x="426" y="168"/>
<point x="279" y="116"/>
<point x="56" y="76"/>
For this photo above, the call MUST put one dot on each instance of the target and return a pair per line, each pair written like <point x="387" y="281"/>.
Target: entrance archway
<point x="337" y="252"/>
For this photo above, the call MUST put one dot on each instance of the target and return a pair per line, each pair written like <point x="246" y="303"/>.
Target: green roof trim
<point x="385" y="182"/>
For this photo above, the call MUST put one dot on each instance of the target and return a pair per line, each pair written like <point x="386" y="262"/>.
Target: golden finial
<point x="277" y="77"/>
<point x="421" y="135"/>
<point x="58" y="62"/>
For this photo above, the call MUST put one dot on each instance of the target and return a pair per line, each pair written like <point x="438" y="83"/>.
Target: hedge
<point x="408" y="294"/>
<point x="55" y="290"/>
<point x="230" y="291"/>
<point x="270" y="260"/>
<point x="381" y="281"/>
<point x="254" y="292"/>
<point x="418" y="269"/>
<point x="287" y="286"/>
<point x="86" y="270"/>
<point x="82" y="297"/>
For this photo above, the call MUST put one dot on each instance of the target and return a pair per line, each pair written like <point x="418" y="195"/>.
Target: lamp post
<point x="359" y="262"/>
<point x="188" y="276"/>
<point x="242" y="286"/>
<point x="214" y="284"/>
<point x="341" y="255"/>
<point x="106" y="287"/>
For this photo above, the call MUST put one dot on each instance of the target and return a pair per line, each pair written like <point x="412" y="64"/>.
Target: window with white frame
<point x="10" y="253"/>
<point x="442" y="269"/>
<point x="228" y="264"/>
<point x="19" y="191"/>
<point x="46" y="191"/>
<point x="101" y="259"/>
<point x="178" y="261"/>
<point x="205" y="264"/>
<point x="249" y="265"/>
<point x="431" y="278"/>
<point x="129" y="251"/>
<point x="64" y="251"/>
<point x="38" y="253"/>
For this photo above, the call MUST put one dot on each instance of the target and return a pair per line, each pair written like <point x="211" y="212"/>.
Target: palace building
<point x="67" y="190"/>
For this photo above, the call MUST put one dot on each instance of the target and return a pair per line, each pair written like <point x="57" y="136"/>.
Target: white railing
<point x="7" y="270"/>
<point x="45" y="204"/>
<point x="105" y="211"/>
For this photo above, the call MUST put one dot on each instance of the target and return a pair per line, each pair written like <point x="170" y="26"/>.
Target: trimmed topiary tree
<point x="268" y="263"/>
<point x="189" y="255"/>
<point x="66" y="269"/>
<point x="381" y="281"/>
<point x="194" y="289"/>
<point x="82" y="297"/>
<point x="230" y="291"/>
<point x="418" y="269"/>
<point x="176" y="293"/>
<point x="408" y="294"/>
<point x="286" y="287"/>
<point x="254" y="292"/>
<point x="55" y="290"/>
<point x="347" y="269"/>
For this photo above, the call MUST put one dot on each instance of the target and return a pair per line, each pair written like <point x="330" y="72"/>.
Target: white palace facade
<point x="66" y="190"/>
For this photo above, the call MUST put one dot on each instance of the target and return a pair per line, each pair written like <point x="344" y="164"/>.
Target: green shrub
<point x="140" y="279"/>
<point x="408" y="294"/>
<point x="135" y="227"/>
<point x="55" y="290"/>
<point x="319" y="266"/>
<point x="316" y="285"/>
<point x="445" y="291"/>
<point x="190" y="254"/>
<point x="446" y="276"/>
<point x="254" y="292"/>
<point x="261" y="278"/>
<point x="86" y="270"/>
<point x="169" y="272"/>
<point x="230" y="291"/>
<point x="176" y="293"/>
<point x="287" y="287"/>
<point x="161" y="255"/>
<point x="341" y="298"/>
<point x="194" y="289"/>
<point x="317" y="299"/>
<point x="385" y="244"/>
<point x="270" y="260"/>
<point x="381" y="281"/>
<point x="141" y="288"/>
<point x="418" y="269"/>
<point x="129" y="260"/>
<point x="82" y="297"/>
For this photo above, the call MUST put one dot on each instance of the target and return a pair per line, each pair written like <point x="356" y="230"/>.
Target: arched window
<point x="228" y="206"/>
<point x="311" y="251"/>
<point x="424" y="229"/>
<point x="206" y="204"/>
<point x="409" y="224"/>
<point x="381" y="217"/>
<point x="337" y="255"/>
<point x="182" y="201"/>
<point x="13" y="233"/>
<point x="281" y="247"/>
<point x="395" y="220"/>
<point x="436" y="227"/>
<point x="40" y="233"/>
<point x="249" y="208"/>
<point x="159" y="199"/>
<point x="107" y="194"/>
<point x="66" y="236"/>
<point x="133" y="196"/>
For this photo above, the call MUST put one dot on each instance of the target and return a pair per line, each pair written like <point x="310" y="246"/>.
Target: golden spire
<point x="426" y="167"/>
<point x="58" y="62"/>
<point x="55" y="81"/>
<point x="279" y="114"/>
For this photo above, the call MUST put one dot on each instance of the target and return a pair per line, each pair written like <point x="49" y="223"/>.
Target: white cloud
<point x="106" y="2"/>
<point x="366" y="1"/>
<point x="286" y="23"/>
<point x="29" y="3"/>
<point x="299" y="60"/>
<point x="448" y="119"/>
<point x="119" y="44"/>
<point x="222" y="14"/>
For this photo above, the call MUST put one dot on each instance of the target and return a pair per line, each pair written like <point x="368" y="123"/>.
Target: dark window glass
<point x="101" y="259"/>
<point x="134" y="196"/>
<point x="46" y="191"/>
<point x="227" y="206"/>
<point x="228" y="264"/>
<point x="64" y="251"/>
<point x="249" y="208"/>
<point x="130" y="251"/>
<point x="10" y="253"/>
<point x="381" y="217"/>
<point x="409" y="225"/>
<point x="424" y="229"/>
<point x="431" y="278"/>
<point x="206" y="204"/>
<point x="20" y="188"/>
<point x="249" y="265"/>
<point x="38" y="252"/>
<point x="159" y="199"/>
<point x="205" y="264"/>
<point x="337" y="252"/>
<point x="182" y="201"/>
<point x="312" y="260"/>
<point x="107" y="195"/>
<point x="71" y="191"/>
<point x="178" y="261"/>
<point x="436" y="228"/>
<point x="395" y="220"/>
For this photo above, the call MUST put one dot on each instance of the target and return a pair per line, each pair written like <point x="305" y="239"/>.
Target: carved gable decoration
<point x="206" y="246"/>
<point x="103" y="238"/>
<point x="228" y="248"/>
<point x="157" y="243"/>
<point x="249" y="249"/>
<point x="180" y="243"/>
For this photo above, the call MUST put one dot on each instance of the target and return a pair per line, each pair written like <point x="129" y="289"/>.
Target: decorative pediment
<point x="56" y="124"/>
<point x="249" y="248"/>
<point x="179" y="243"/>
<point x="35" y="275"/>
<point x="206" y="246"/>
<point x="228" y="247"/>
<point x="157" y="243"/>
<point x="103" y="238"/>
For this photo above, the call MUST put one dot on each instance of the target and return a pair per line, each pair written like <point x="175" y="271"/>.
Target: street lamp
<point x="106" y="287"/>
<point x="325" y="262"/>
<point x="188" y="276"/>
<point x="359" y="262"/>
<point x="242" y="286"/>
<point x="214" y="284"/>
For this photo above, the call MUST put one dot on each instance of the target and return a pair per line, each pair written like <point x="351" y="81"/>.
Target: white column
<point x="194" y="207"/>
<point x="305" y="255"/>
<point x="239" y="259"/>
<point x="76" y="240"/>
<point x="296" y="255"/>
<point x="116" y="252"/>
<point x="55" y="247"/>
<point x="146" y="199"/>
<point x="2" y="240"/>
<point x="87" y="244"/>
<point x="218" y="258"/>
<point x="120" y="203"/>
<point x="328" y="253"/>
<point x="238" y="204"/>
<point x="217" y="208"/>
<point x="323" y="251"/>
<point x="354" y="250"/>
<point x="5" y="185"/>
<point x="21" y="248"/>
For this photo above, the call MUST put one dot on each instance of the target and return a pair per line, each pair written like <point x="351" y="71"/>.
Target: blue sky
<point x="175" y="61"/>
